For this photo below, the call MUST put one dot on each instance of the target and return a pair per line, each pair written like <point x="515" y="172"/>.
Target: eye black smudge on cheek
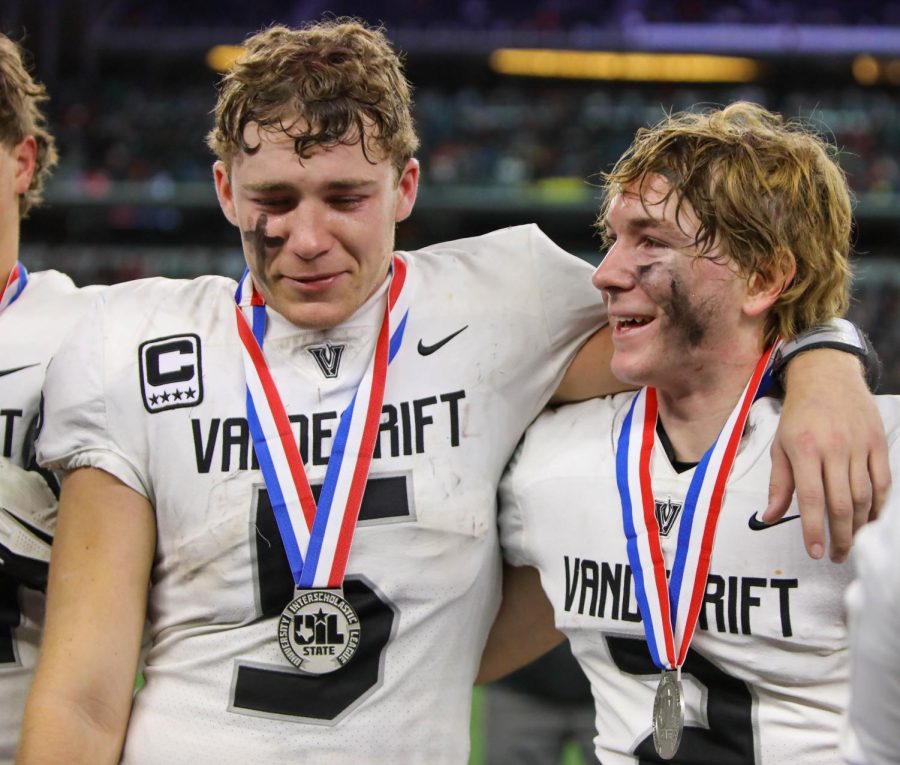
<point x="685" y="316"/>
<point x="260" y="241"/>
<point x="256" y="238"/>
<point x="664" y="285"/>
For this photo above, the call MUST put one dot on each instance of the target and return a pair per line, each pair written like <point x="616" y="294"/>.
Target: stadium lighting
<point x="865" y="70"/>
<point x="646" y="67"/>
<point x="220" y="58"/>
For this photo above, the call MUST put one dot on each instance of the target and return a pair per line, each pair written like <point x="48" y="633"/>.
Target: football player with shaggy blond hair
<point x="705" y="637"/>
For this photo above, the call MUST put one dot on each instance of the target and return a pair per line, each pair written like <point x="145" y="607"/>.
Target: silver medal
<point x="668" y="715"/>
<point x="318" y="631"/>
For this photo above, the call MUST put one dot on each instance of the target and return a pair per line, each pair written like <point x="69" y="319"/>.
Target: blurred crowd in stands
<point x="512" y="14"/>
<point x="876" y="307"/>
<point x="509" y="134"/>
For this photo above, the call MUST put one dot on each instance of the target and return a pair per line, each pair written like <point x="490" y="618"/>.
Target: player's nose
<point x="307" y="232"/>
<point x="613" y="273"/>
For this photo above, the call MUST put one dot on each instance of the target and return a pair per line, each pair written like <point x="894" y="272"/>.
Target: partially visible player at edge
<point x="36" y="310"/>
<point x="873" y="614"/>
<point x="315" y="167"/>
<point x="726" y="228"/>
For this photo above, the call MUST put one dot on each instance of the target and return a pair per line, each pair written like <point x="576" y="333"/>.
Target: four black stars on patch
<point x="176" y="395"/>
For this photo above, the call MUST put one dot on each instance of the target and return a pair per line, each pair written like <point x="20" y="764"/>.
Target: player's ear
<point x="407" y="188"/>
<point x="224" y="191"/>
<point x="765" y="285"/>
<point x="25" y="155"/>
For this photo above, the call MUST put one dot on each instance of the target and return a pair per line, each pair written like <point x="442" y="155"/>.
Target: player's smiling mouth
<point x="625" y="324"/>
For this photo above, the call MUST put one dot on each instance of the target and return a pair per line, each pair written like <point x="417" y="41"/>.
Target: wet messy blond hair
<point x="768" y="191"/>
<point x="323" y="85"/>
<point x="21" y="116"/>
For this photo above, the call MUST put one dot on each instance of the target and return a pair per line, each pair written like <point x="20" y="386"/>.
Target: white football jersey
<point x="31" y="329"/>
<point x="873" y="606"/>
<point x="161" y="404"/>
<point x="765" y="680"/>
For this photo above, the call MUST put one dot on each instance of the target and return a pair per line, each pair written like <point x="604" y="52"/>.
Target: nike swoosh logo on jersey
<point x="427" y="350"/>
<point x="4" y="372"/>
<point x="757" y="525"/>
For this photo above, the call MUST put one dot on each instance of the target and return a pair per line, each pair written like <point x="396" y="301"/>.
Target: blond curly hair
<point x="329" y="83"/>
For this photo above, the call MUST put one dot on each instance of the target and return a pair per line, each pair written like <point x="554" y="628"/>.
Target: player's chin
<point x="631" y="368"/>
<point x="316" y="314"/>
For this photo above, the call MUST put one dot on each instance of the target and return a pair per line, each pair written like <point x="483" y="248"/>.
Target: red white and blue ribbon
<point x="16" y="282"/>
<point x="316" y="536"/>
<point x="670" y="609"/>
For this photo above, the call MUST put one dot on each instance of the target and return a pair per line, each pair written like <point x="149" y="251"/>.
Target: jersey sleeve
<point x="80" y="426"/>
<point x="573" y="307"/>
<point x="569" y="310"/>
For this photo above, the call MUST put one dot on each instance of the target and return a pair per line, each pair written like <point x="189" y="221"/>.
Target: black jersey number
<point x="729" y="707"/>
<point x="9" y="619"/>
<point x="268" y="691"/>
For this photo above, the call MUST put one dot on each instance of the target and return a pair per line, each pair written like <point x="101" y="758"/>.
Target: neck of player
<point x="9" y="249"/>
<point x="693" y="415"/>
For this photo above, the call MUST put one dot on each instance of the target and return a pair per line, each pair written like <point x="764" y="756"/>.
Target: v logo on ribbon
<point x="666" y="512"/>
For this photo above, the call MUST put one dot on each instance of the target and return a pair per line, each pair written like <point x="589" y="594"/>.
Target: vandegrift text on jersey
<point x="224" y="443"/>
<point x="606" y="590"/>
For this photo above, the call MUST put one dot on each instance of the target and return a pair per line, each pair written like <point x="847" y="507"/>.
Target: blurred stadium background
<point x="132" y="85"/>
<point x="507" y="136"/>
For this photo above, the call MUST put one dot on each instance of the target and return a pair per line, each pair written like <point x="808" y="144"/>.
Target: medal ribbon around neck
<point x="16" y="282"/>
<point x="670" y="611"/>
<point x="316" y="537"/>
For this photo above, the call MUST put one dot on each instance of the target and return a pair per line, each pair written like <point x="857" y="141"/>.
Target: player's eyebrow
<point x="655" y="225"/>
<point x="344" y="184"/>
<point x="267" y="187"/>
<point x="351" y="183"/>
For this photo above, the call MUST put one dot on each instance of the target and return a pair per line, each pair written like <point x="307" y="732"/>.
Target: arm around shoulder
<point x="78" y="708"/>
<point x="589" y="375"/>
